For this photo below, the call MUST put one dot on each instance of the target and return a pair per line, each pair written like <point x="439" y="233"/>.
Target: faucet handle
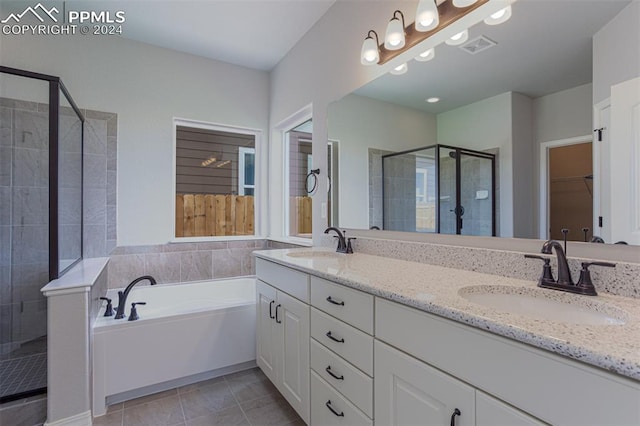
<point x="108" y="312"/>
<point x="584" y="283"/>
<point x="134" y="312"/>
<point x="547" y="275"/>
<point x="349" y="247"/>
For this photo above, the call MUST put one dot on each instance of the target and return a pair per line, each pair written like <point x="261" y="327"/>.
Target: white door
<point x="293" y="353"/>
<point x="601" y="172"/>
<point x="625" y="162"/>
<point x="409" y="392"/>
<point x="265" y="329"/>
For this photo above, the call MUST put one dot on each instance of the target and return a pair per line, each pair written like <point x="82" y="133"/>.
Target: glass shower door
<point x="476" y="195"/>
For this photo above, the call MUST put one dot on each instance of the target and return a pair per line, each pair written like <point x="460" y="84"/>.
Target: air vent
<point x="478" y="45"/>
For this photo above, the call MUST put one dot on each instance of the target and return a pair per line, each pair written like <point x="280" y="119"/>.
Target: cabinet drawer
<point x="348" y="342"/>
<point x="356" y="386"/>
<point x="324" y="398"/>
<point x="290" y="281"/>
<point x="351" y="306"/>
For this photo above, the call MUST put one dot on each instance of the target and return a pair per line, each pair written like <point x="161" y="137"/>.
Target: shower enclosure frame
<point x="459" y="151"/>
<point x="55" y="86"/>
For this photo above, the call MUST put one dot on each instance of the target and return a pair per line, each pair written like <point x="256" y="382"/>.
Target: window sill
<point x="210" y="239"/>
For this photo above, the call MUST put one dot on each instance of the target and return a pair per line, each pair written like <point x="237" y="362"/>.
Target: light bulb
<point x="459" y="38"/>
<point x="463" y="3"/>
<point x="400" y="69"/>
<point x="394" y="37"/>
<point x="427" y="55"/>
<point x="427" y="17"/>
<point x="499" y="17"/>
<point x="433" y="100"/>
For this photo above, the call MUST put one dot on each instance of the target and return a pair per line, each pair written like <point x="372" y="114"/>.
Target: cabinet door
<point x="292" y="331"/>
<point x="493" y="412"/>
<point x="265" y="328"/>
<point x="409" y="392"/>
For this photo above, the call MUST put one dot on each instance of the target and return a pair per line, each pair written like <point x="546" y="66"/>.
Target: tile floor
<point x="246" y="398"/>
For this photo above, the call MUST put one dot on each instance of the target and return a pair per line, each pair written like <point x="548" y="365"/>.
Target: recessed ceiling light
<point x="433" y="100"/>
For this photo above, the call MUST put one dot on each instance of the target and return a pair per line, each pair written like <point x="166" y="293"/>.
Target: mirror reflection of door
<point x="571" y="191"/>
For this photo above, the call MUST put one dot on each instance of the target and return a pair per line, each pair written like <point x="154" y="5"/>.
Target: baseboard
<point x="82" y="419"/>
<point x="183" y="381"/>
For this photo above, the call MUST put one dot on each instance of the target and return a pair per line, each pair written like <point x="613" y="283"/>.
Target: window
<point x="246" y="161"/>
<point x="215" y="178"/>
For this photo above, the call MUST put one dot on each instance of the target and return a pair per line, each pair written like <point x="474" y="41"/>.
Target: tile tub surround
<point x="434" y="289"/>
<point x="186" y="262"/>
<point x="623" y="280"/>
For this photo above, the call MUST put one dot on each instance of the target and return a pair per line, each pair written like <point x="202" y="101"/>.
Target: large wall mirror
<point x="519" y="95"/>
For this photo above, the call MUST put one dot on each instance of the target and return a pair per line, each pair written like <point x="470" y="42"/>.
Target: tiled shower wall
<point x="24" y="245"/>
<point x="24" y="229"/>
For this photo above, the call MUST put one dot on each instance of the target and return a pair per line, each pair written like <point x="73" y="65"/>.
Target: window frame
<point x="242" y="152"/>
<point x="258" y="189"/>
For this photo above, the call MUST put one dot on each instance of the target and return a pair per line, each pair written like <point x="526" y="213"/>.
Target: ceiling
<point x="251" y="33"/>
<point x="544" y="48"/>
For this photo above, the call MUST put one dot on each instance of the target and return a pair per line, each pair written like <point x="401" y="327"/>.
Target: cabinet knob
<point x="456" y="412"/>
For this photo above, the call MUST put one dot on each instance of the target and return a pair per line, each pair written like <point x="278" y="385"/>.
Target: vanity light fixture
<point x="208" y="161"/>
<point x="399" y="38"/>
<point x="400" y="69"/>
<point x="394" y="38"/>
<point x="427" y="17"/>
<point x="370" y="53"/>
<point x="499" y="17"/>
<point x="426" y="55"/>
<point x="458" y="39"/>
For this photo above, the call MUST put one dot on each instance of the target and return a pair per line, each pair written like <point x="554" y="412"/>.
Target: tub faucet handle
<point x="134" y="312"/>
<point x="108" y="312"/>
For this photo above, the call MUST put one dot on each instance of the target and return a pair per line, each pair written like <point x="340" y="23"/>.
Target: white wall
<point x="564" y="114"/>
<point x="360" y="123"/>
<point x="523" y="165"/>
<point x="147" y="87"/>
<point x="616" y="51"/>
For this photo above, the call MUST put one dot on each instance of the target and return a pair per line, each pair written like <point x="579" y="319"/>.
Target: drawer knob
<point x="456" y="412"/>
<point x="330" y="300"/>
<point x="332" y="374"/>
<point x="328" y="404"/>
<point x="330" y="336"/>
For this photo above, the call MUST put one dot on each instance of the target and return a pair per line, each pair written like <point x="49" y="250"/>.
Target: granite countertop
<point x="437" y="290"/>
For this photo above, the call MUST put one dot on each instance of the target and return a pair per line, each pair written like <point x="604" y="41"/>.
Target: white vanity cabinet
<point x="282" y="335"/>
<point x="342" y="355"/>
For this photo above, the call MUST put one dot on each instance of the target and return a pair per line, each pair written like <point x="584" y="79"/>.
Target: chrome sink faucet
<point x="122" y="295"/>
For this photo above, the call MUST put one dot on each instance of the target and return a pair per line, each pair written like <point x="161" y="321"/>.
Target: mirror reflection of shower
<point x="439" y="189"/>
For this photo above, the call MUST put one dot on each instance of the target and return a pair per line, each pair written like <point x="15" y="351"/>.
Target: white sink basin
<point x="549" y="305"/>
<point x="313" y="254"/>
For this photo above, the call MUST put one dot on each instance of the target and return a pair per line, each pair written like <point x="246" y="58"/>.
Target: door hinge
<point x="600" y="221"/>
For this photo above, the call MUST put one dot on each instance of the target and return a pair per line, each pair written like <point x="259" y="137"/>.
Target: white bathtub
<point x="186" y="332"/>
